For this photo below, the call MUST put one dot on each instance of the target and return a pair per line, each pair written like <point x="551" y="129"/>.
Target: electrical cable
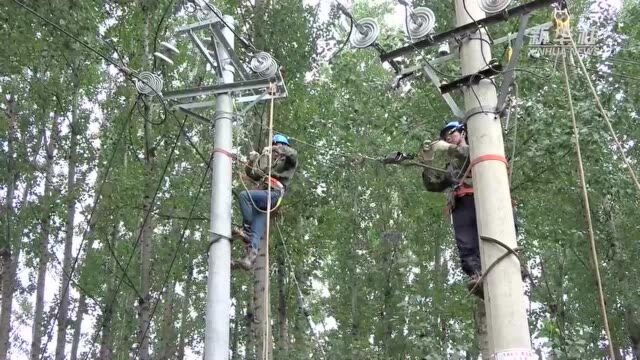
<point x="120" y="68"/>
<point x="344" y="44"/>
<point x="301" y="295"/>
<point x="484" y="58"/>
<point x="87" y="229"/>
<point x="144" y="222"/>
<point x="178" y="249"/>
<point x="245" y="43"/>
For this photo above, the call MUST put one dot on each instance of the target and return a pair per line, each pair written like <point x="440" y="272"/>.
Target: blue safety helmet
<point x="451" y="125"/>
<point x="280" y="139"/>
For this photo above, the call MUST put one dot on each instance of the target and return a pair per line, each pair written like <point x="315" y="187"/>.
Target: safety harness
<point x="463" y="189"/>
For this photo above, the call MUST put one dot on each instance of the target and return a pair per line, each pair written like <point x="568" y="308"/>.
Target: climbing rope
<point x="512" y="158"/>
<point x="603" y="112"/>
<point x="587" y="210"/>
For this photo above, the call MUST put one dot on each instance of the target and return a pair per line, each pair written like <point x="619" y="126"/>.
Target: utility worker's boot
<point x="241" y="234"/>
<point x="475" y="286"/>
<point x="247" y="261"/>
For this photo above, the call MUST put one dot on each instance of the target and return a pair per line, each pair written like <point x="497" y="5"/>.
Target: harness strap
<point x="479" y="159"/>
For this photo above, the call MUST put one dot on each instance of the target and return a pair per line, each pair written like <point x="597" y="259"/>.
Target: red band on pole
<point x="487" y="157"/>
<point x="481" y="158"/>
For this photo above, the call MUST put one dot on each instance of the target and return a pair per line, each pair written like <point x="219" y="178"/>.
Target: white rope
<point x="604" y="114"/>
<point x="587" y="211"/>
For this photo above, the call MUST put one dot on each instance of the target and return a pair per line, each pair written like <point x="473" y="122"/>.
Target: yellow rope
<point x="587" y="210"/>
<point x="604" y="114"/>
<point x="266" y="322"/>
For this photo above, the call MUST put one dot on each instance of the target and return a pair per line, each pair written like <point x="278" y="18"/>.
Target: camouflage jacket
<point x="447" y="181"/>
<point x="283" y="164"/>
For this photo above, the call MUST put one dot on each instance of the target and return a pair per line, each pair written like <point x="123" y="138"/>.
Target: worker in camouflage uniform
<point x="459" y="195"/>
<point x="253" y="203"/>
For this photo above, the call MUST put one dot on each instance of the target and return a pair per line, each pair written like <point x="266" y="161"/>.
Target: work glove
<point x="253" y="156"/>
<point x="397" y="157"/>
<point x="442" y="146"/>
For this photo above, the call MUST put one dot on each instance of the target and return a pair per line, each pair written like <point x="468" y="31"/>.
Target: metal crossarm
<point x="472" y="79"/>
<point x="468" y="28"/>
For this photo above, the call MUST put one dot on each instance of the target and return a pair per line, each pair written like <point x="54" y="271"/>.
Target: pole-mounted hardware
<point x="494" y="6"/>
<point x="366" y="34"/>
<point x="260" y="79"/>
<point x="466" y="29"/>
<point x="148" y="83"/>
<point x="167" y="52"/>
<point x="490" y="71"/>
<point x="420" y="21"/>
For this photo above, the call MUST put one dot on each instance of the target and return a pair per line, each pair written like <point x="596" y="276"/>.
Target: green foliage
<point x="369" y="247"/>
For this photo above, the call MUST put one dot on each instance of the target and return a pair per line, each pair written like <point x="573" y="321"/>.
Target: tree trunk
<point x="63" y="313"/>
<point x="184" y="313"/>
<point x="390" y="249"/>
<point x="145" y="246"/>
<point x="481" y="334"/>
<point x="147" y="225"/>
<point x="167" y="340"/>
<point x="353" y="269"/>
<point x="45" y="227"/>
<point x="441" y="271"/>
<point x="632" y="325"/>
<point x="77" y="326"/>
<point x="262" y="314"/>
<point x="250" y="319"/>
<point x="283" y="331"/>
<point x="9" y="252"/>
<point x="82" y="301"/>
<point x="106" y="325"/>
<point x="106" y="340"/>
<point x="235" y="334"/>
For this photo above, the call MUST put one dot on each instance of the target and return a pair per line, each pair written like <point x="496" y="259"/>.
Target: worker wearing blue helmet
<point x="253" y="203"/>
<point x="459" y="195"/>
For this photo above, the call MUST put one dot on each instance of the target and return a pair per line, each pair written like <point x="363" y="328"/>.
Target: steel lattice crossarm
<point x="260" y="80"/>
<point x="244" y="91"/>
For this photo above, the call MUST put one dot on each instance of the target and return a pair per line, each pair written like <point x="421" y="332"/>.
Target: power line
<point x="144" y="222"/>
<point x="87" y="46"/>
<point x="178" y="247"/>
<point x="87" y="229"/>
<point x="595" y="70"/>
<point x="120" y="68"/>
<point x="344" y="43"/>
<point x="245" y="43"/>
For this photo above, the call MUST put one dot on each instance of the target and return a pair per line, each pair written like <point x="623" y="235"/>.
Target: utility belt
<point x="276" y="185"/>
<point x="463" y="190"/>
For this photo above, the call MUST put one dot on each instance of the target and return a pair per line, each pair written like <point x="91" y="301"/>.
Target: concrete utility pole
<point x="216" y="342"/>
<point x="503" y="288"/>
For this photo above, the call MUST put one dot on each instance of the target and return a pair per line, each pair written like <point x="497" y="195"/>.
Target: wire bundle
<point x="148" y="83"/>
<point x="367" y="33"/>
<point x="264" y="65"/>
<point x="494" y="6"/>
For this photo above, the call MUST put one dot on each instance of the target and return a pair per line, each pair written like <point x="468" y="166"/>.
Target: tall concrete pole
<point x="503" y="288"/>
<point x="216" y="342"/>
